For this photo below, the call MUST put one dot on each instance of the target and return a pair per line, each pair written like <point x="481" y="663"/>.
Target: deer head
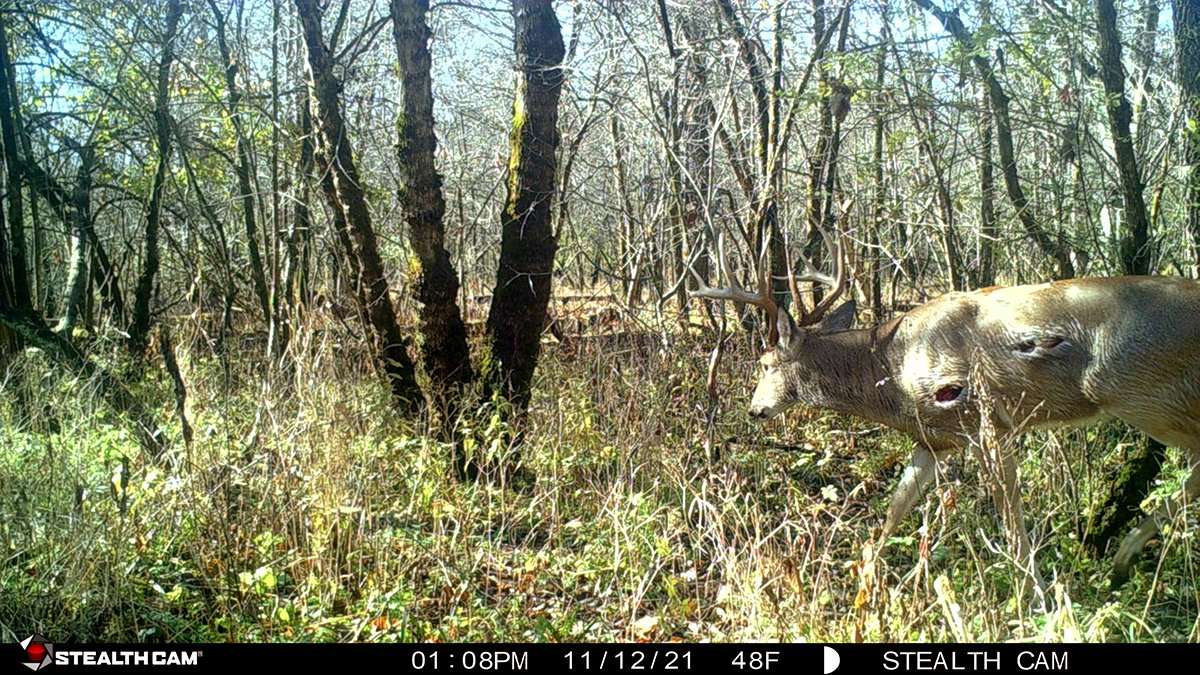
<point x="795" y="359"/>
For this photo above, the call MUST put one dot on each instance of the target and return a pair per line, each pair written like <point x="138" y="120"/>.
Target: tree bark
<point x="1186" y="20"/>
<point x="16" y="208"/>
<point x="630" y="277"/>
<point x="671" y="103"/>
<point x="1144" y="49"/>
<point x="445" y="356"/>
<point x="696" y="136"/>
<point x="823" y="161"/>
<point x="300" y="238"/>
<point x="139" y="330"/>
<point x="873" y="257"/>
<point x="81" y="239"/>
<point x="528" y="241"/>
<point x="987" y="205"/>
<point x="348" y="197"/>
<point x="9" y="339"/>
<point x="1135" y="246"/>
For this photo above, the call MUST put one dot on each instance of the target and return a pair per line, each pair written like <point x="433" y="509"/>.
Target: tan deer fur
<point x="1056" y="354"/>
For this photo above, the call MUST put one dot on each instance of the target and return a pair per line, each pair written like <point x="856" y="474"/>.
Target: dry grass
<point x="306" y="510"/>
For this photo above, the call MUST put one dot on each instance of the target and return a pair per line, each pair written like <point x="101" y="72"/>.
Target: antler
<point x="735" y="292"/>
<point x="837" y="283"/>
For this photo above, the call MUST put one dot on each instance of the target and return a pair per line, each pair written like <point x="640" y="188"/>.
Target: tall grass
<point x="307" y="510"/>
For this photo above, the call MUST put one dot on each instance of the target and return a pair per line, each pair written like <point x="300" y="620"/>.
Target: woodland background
<point x="333" y="320"/>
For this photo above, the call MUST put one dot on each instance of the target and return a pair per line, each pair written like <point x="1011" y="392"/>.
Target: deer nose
<point x="758" y="413"/>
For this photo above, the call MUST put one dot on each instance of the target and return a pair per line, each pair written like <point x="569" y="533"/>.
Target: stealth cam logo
<point x="39" y="653"/>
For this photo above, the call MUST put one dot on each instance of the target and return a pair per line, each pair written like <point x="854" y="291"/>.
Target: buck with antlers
<point x="1054" y="354"/>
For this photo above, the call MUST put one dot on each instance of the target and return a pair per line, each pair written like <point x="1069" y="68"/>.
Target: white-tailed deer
<point x="1054" y="354"/>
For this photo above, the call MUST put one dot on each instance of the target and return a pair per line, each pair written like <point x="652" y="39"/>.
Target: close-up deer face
<point x="796" y="363"/>
<point x="771" y="394"/>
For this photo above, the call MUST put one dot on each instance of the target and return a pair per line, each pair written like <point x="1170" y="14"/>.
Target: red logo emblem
<point x="39" y="652"/>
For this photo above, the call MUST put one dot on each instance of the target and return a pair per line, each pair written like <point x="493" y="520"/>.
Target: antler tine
<point x="734" y="291"/>
<point x="797" y="301"/>
<point x="766" y="291"/>
<point x="836" y="282"/>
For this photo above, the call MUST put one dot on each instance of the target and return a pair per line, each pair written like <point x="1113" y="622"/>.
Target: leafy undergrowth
<point x="311" y="511"/>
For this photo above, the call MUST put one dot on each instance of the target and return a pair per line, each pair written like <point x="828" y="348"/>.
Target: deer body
<point x="1056" y="354"/>
<point x="1053" y="354"/>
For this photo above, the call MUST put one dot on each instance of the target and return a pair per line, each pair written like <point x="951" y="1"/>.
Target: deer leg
<point x="919" y="473"/>
<point x="1135" y="541"/>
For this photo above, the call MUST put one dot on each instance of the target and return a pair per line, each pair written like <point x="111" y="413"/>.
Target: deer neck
<point x="849" y="372"/>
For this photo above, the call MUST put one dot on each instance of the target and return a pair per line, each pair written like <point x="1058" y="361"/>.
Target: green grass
<point x="307" y="510"/>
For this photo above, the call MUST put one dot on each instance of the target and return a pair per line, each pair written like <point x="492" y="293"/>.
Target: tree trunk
<point x="43" y="294"/>
<point x="9" y="339"/>
<point x="81" y="239"/>
<point x="445" y="356"/>
<point x="16" y="208"/>
<point x="987" y="204"/>
<point x="348" y="197"/>
<point x="1186" y="20"/>
<point x="1129" y="485"/>
<point x="300" y="238"/>
<point x="103" y="272"/>
<point x="1135" y="246"/>
<point x="630" y="279"/>
<point x="139" y="330"/>
<point x="672" y="103"/>
<point x="873" y="257"/>
<point x="528" y="241"/>
<point x="1144" y="47"/>
<point x="823" y="158"/>
<point x="699" y="117"/>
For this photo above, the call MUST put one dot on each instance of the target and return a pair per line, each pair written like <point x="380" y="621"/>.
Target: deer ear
<point x="841" y="318"/>
<point x="788" y="332"/>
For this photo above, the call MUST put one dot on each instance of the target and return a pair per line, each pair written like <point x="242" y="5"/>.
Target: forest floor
<point x="306" y="509"/>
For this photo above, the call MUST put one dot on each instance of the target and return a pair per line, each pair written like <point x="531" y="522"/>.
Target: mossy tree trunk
<point x="347" y="197"/>
<point x="528" y="241"/>
<point x="445" y="356"/>
<point x="1131" y="482"/>
<point x="139" y="330"/>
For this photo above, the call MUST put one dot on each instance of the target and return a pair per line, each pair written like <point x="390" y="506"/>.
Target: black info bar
<point x="45" y="655"/>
